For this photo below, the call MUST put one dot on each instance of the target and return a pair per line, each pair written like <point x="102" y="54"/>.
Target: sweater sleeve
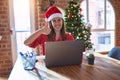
<point x="38" y="41"/>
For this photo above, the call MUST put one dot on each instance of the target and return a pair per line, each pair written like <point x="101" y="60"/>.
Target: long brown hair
<point x="62" y="31"/>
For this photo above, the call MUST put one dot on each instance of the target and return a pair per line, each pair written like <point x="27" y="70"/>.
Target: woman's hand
<point x="45" y="29"/>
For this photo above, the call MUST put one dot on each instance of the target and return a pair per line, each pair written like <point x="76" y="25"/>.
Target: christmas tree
<point x="75" y="22"/>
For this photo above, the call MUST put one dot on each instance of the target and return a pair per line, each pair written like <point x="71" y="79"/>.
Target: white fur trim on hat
<point x="54" y="16"/>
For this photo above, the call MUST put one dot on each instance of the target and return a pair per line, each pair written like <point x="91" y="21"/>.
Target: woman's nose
<point x="57" y="23"/>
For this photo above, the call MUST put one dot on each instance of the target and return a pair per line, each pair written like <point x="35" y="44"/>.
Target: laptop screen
<point x="63" y="53"/>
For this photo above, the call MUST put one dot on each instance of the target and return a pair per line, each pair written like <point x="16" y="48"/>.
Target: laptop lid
<point x="63" y="53"/>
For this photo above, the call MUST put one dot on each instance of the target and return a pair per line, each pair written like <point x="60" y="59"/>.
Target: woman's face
<point x="57" y="23"/>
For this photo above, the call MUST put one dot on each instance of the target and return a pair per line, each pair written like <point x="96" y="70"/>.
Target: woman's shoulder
<point x="68" y="33"/>
<point x="69" y="36"/>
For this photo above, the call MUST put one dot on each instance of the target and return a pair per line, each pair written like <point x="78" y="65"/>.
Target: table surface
<point x="104" y="68"/>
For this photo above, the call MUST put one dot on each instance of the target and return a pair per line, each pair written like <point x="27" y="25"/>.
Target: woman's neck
<point x="57" y="34"/>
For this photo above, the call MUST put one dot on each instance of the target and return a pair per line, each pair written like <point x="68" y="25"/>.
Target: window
<point x="22" y="17"/>
<point x="100" y="14"/>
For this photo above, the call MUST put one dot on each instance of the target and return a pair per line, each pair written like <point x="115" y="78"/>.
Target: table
<point x="104" y="68"/>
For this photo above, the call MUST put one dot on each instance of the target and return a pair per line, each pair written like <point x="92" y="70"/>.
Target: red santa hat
<point x="52" y="12"/>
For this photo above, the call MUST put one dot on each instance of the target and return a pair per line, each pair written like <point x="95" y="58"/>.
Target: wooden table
<point x="104" y="68"/>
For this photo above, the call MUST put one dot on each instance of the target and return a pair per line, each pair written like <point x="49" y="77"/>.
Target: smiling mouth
<point x="58" y="27"/>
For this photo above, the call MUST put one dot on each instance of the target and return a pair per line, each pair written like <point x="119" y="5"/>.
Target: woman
<point x="54" y="30"/>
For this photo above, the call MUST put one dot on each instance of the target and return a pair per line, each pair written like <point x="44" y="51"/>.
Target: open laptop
<point x="63" y="53"/>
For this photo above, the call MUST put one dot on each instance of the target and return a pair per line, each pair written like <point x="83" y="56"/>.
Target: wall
<point x="116" y="5"/>
<point x="5" y="43"/>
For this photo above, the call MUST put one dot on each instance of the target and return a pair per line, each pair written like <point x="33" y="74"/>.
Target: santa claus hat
<point x="52" y="12"/>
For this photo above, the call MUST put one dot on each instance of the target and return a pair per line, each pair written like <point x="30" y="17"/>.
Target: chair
<point x="115" y="53"/>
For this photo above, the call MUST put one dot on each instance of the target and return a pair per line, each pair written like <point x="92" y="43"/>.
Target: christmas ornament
<point x="80" y="9"/>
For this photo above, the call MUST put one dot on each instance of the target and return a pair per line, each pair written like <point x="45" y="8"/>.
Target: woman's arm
<point x="36" y="34"/>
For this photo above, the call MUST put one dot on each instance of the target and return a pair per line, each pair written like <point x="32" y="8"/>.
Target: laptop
<point x="63" y="53"/>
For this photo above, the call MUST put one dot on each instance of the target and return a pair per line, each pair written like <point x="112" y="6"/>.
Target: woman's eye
<point x="59" y="20"/>
<point x="54" y="21"/>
